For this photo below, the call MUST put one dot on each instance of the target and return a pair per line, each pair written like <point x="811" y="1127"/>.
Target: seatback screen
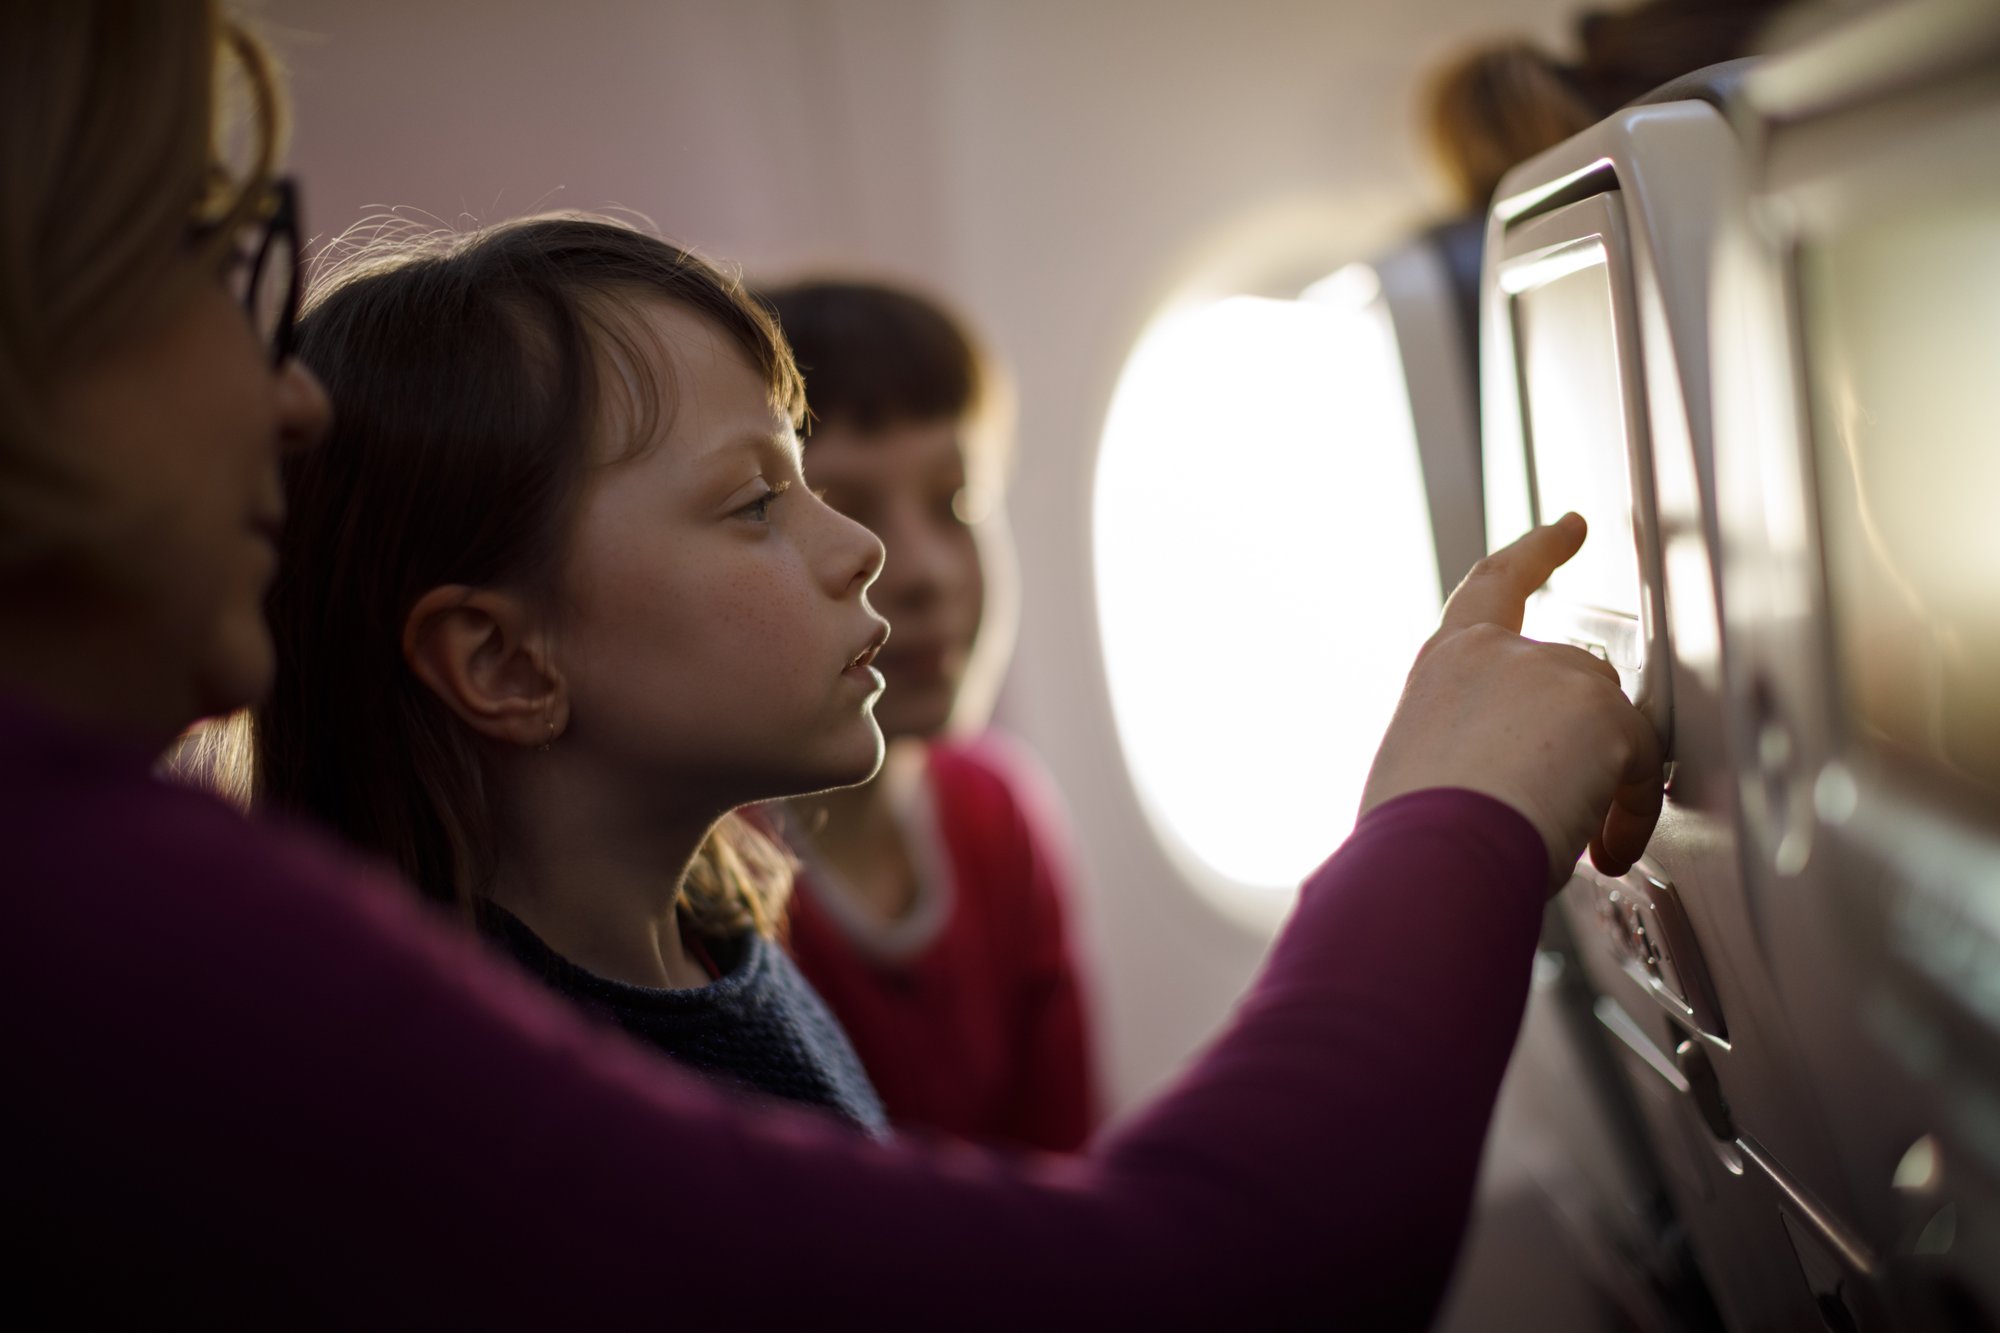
<point x="1902" y="323"/>
<point x="1574" y="399"/>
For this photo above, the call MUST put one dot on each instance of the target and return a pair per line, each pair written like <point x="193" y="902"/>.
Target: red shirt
<point x="980" y="1031"/>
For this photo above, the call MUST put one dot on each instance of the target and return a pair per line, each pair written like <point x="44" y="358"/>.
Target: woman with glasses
<point x="250" y="1082"/>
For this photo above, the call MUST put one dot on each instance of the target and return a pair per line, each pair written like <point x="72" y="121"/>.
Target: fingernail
<point x="1570" y="520"/>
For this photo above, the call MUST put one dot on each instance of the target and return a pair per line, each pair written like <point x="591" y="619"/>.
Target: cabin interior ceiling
<point x="1057" y="167"/>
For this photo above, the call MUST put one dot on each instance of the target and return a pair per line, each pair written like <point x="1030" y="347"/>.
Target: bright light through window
<point x="1265" y="575"/>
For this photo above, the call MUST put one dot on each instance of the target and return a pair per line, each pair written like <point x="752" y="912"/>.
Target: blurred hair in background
<point x="1500" y="104"/>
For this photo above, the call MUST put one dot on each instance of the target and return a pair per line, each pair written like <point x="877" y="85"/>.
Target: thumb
<point x="1496" y="592"/>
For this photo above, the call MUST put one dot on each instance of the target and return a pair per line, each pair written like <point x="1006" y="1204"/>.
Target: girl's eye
<point x="759" y="509"/>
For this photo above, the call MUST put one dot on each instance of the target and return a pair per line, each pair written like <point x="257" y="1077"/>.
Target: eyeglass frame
<point x="282" y="220"/>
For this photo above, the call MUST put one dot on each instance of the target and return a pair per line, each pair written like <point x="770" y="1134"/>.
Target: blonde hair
<point x="740" y="880"/>
<point x="111" y="152"/>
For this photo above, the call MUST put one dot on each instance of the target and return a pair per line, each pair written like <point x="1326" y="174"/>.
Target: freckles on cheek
<point x="774" y="630"/>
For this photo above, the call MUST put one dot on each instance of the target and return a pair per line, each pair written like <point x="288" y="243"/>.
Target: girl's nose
<point x="856" y="555"/>
<point x="304" y="413"/>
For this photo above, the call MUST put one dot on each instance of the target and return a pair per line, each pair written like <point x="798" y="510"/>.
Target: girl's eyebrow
<point x="760" y="443"/>
<point x="788" y="445"/>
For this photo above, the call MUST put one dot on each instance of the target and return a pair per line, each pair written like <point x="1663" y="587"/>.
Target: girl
<point x="255" y="1084"/>
<point x="553" y="601"/>
<point x="933" y="914"/>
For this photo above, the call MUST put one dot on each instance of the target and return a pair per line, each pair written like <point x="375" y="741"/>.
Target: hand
<point x="1541" y="726"/>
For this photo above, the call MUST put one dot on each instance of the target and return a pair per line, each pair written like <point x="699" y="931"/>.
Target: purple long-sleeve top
<point x="252" y="1076"/>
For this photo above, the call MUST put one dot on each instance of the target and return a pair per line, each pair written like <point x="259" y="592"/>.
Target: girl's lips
<point x="868" y="676"/>
<point x="862" y="668"/>
<point x="865" y="659"/>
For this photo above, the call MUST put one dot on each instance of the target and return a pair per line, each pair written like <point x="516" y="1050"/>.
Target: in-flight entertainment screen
<point x="1574" y="399"/>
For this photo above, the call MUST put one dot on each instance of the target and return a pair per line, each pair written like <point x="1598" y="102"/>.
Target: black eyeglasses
<point x="264" y="271"/>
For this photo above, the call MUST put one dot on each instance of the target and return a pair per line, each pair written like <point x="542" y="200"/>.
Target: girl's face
<point x="179" y="428"/>
<point x="906" y="483"/>
<point x="715" y="631"/>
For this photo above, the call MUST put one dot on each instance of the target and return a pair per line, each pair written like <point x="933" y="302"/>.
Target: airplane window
<point x="1265" y="573"/>
<point x="1576" y="420"/>
<point x="1902" y="323"/>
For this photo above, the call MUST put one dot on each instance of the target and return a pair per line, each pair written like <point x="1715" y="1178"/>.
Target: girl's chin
<point x="862" y="763"/>
<point x="867" y="767"/>
<point x="847" y="758"/>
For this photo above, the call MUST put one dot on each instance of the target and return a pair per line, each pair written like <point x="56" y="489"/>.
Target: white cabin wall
<point x="1057" y="168"/>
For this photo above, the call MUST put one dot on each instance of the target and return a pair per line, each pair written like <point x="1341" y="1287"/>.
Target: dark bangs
<point x="608" y="270"/>
<point x="875" y="356"/>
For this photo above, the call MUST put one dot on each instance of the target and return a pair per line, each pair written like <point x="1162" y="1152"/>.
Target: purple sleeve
<point x="262" y="1076"/>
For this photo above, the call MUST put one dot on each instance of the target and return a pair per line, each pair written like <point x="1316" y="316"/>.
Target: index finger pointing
<point x="1496" y="592"/>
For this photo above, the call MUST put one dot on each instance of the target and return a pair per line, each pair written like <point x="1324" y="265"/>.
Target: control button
<point x="1645" y="930"/>
<point x="1642" y="943"/>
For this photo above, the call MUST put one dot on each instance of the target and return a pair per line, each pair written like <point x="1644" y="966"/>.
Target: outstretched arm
<point x="260" y="1082"/>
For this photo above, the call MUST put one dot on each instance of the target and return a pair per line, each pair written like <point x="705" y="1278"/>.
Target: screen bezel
<point x="1534" y="252"/>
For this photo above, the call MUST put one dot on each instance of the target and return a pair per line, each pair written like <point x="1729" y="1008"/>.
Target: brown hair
<point x="876" y="355"/>
<point x="1490" y="109"/>
<point x="466" y="374"/>
<point x="110" y="153"/>
<point x="1496" y="107"/>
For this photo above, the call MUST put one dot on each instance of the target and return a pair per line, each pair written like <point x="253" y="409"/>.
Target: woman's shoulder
<point x="162" y="900"/>
<point x="79" y="811"/>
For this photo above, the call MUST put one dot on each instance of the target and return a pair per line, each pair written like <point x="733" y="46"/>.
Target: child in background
<point x="932" y="911"/>
<point x="554" y="601"/>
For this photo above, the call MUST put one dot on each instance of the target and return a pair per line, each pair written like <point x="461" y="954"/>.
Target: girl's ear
<point x="486" y="656"/>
